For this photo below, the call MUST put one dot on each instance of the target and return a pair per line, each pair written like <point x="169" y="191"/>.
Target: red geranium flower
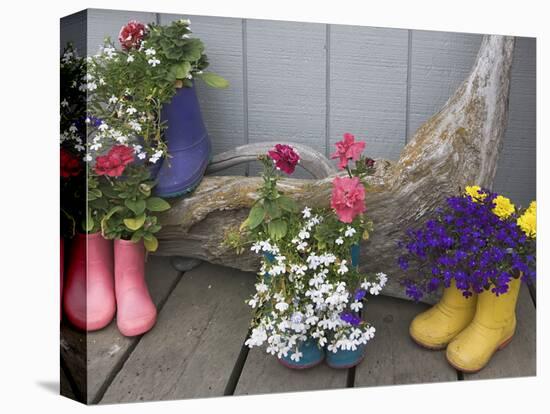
<point x="70" y="164"/>
<point x="348" y="198"/>
<point x="348" y="149"/>
<point x="286" y="158"/>
<point x="131" y="35"/>
<point x="115" y="161"/>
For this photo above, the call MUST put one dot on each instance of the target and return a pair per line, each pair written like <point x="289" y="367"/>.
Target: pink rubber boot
<point x="89" y="299"/>
<point x="136" y="312"/>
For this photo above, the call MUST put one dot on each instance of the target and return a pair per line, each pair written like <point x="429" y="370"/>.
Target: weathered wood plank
<point x="286" y="83"/>
<point x="392" y="357"/>
<point x="517" y="167"/>
<point x="73" y="29"/>
<point x="64" y="385"/>
<point x="262" y="373"/>
<point x="518" y="359"/>
<point x="440" y="61"/>
<point x="94" y="358"/>
<point x="222" y="110"/>
<point x="104" y="23"/>
<point x="198" y="336"/>
<point x="368" y="87"/>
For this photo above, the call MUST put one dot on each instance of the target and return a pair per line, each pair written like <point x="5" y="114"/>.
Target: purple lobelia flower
<point x="350" y="318"/>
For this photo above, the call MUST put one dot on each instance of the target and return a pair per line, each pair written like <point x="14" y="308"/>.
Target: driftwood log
<point x="457" y="146"/>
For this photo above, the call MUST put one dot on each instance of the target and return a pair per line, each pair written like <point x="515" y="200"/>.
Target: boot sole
<point x="467" y="371"/>
<point x="429" y="347"/>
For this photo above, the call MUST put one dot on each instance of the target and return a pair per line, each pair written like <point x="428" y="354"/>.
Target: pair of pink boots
<point x="97" y="285"/>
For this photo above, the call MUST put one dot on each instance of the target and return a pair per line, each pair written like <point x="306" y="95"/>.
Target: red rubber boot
<point x="136" y="312"/>
<point x="61" y="265"/>
<point x="89" y="299"/>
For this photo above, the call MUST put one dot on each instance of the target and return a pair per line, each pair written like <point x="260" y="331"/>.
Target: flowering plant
<point x="309" y="284"/>
<point x="478" y="239"/>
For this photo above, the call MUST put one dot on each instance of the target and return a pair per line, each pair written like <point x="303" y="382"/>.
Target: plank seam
<point x="245" y="90"/>
<point x="120" y="364"/>
<point x="237" y="368"/>
<point x="408" y="85"/>
<point x="327" y="91"/>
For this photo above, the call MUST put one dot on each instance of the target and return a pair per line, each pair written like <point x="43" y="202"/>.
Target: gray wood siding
<point x="310" y="83"/>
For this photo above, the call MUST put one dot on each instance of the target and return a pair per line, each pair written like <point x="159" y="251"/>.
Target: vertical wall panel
<point x="368" y="87"/>
<point x="516" y="173"/>
<point x="103" y="23"/>
<point x="440" y="61"/>
<point x="73" y="29"/>
<point x="286" y="82"/>
<point x="222" y="109"/>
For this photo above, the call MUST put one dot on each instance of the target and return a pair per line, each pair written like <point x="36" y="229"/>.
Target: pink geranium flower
<point x="131" y="35"/>
<point x="285" y="157"/>
<point x="114" y="163"/>
<point x="348" y="149"/>
<point x="348" y="198"/>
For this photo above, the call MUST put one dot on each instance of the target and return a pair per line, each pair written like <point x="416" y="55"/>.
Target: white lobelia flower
<point x="375" y="289"/>
<point x="356" y="306"/>
<point x="296" y="356"/>
<point x="343" y="269"/>
<point x="96" y="146"/>
<point x="382" y="278"/>
<point x="185" y="36"/>
<point x="350" y="231"/>
<point x="261" y="287"/>
<point x="306" y="212"/>
<point x="339" y="241"/>
<point x="91" y="86"/>
<point x="256" y="247"/>
<point x="150" y="52"/>
<point x="87" y="158"/>
<point x="79" y="147"/>
<point x="64" y="103"/>
<point x="103" y="127"/>
<point x="153" y="62"/>
<point x="131" y="110"/>
<point x="156" y="156"/>
<point x="142" y="155"/>
<point x="113" y="99"/>
<point x="301" y="246"/>
<point x="303" y="234"/>
<point x="130" y="59"/>
<point x="101" y="81"/>
<point x="135" y="125"/>
<point x="137" y="148"/>
<point x="281" y="306"/>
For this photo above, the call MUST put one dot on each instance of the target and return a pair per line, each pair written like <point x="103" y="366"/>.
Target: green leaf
<point x="94" y="194"/>
<point x="277" y="229"/>
<point x="135" y="223"/>
<point x="137" y="206"/>
<point x="151" y="244"/>
<point x="136" y="236"/>
<point x="256" y="216"/>
<point x="287" y="204"/>
<point x="89" y="224"/>
<point x="180" y="70"/>
<point x="106" y="217"/>
<point x="157" y="204"/>
<point x="213" y="80"/>
<point x="272" y="209"/>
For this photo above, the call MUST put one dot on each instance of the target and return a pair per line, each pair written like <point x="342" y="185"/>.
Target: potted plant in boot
<point x="144" y="97"/>
<point x="478" y="248"/>
<point x="307" y="276"/>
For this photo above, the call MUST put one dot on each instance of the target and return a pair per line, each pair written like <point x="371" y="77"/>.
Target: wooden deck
<point x="196" y="348"/>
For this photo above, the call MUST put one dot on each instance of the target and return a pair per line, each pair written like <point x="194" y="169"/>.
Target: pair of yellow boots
<point x="472" y="329"/>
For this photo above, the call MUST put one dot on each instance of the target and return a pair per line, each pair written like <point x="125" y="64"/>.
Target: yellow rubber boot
<point x="436" y="327"/>
<point x="491" y="329"/>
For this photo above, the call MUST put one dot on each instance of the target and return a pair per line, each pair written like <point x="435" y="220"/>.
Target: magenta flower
<point x="348" y="198"/>
<point x="348" y="149"/>
<point x="285" y="157"/>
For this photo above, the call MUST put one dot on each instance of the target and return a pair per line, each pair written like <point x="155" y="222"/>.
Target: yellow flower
<point x="528" y="221"/>
<point x="474" y="192"/>
<point x="503" y="207"/>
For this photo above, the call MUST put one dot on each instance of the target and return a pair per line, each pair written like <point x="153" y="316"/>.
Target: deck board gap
<point x="237" y="369"/>
<point x="350" y="381"/>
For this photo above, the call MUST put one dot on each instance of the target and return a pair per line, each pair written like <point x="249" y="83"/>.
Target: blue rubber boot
<point x="343" y="359"/>
<point x="188" y="144"/>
